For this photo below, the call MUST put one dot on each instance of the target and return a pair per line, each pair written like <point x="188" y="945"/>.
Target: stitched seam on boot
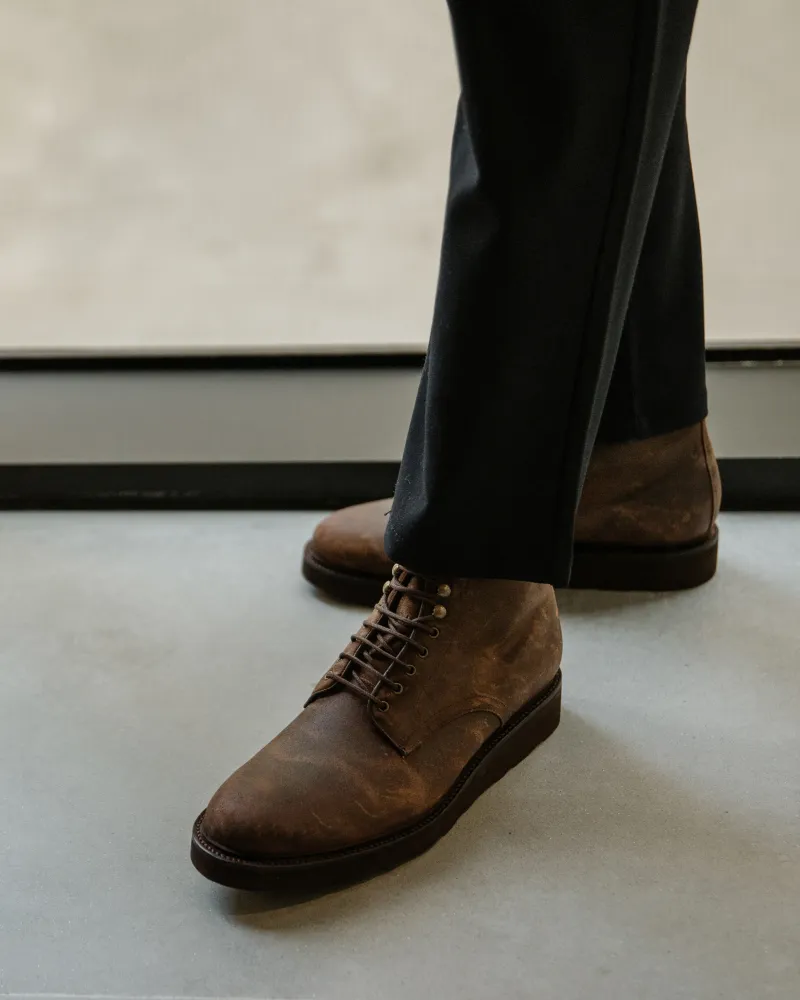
<point x="452" y="713"/>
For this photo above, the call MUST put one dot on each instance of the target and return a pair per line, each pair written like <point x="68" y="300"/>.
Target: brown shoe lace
<point x="389" y="639"/>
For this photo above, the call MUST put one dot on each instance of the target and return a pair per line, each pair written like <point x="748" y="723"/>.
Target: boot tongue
<point x="408" y="606"/>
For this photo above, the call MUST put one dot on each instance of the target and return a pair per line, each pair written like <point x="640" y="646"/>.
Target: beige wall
<point x="267" y="173"/>
<point x="744" y="87"/>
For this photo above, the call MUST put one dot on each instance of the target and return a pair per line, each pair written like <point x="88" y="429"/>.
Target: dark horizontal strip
<point x="760" y="483"/>
<point x="753" y="355"/>
<point x="748" y="483"/>
<point x="301" y="362"/>
<point x="210" y="362"/>
<point x="192" y="486"/>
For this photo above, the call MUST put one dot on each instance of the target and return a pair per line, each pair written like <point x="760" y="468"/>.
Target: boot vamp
<point x="332" y="780"/>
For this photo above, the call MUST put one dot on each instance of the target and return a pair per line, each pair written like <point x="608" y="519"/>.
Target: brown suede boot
<point x="646" y="521"/>
<point x="443" y="689"/>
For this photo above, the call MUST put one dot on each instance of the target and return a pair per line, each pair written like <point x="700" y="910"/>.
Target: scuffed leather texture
<point x="352" y="538"/>
<point x="661" y="491"/>
<point x="499" y="645"/>
<point x="332" y="779"/>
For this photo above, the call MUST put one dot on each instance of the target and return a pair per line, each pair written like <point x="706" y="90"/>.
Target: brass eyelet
<point x="398" y="688"/>
<point x="411" y="670"/>
<point x="396" y="569"/>
<point x="387" y="586"/>
<point x="440" y="611"/>
<point x="423" y="652"/>
<point x="383" y="706"/>
<point x="434" y="633"/>
<point x="444" y="590"/>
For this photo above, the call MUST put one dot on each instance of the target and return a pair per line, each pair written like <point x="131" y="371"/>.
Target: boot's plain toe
<point x="245" y="823"/>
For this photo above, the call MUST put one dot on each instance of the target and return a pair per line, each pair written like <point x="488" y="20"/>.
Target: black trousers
<point x="570" y="299"/>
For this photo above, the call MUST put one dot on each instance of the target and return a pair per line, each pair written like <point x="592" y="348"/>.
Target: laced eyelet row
<point x="375" y="642"/>
<point x="422" y="654"/>
<point x="443" y="590"/>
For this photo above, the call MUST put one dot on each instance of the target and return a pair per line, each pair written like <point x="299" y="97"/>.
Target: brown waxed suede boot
<point x="646" y="521"/>
<point x="443" y="689"/>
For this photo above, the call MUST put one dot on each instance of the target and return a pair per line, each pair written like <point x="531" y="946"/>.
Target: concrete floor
<point x="649" y="850"/>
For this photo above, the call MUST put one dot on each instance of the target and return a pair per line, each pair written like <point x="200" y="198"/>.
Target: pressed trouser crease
<point x="570" y="296"/>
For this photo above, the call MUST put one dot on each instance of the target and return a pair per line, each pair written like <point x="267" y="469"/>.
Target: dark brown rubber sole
<point x="319" y="873"/>
<point x="595" y="567"/>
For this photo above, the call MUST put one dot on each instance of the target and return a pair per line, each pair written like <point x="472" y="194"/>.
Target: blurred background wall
<point x="270" y="175"/>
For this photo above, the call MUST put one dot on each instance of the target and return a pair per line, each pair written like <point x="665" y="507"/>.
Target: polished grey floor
<point x="649" y="850"/>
